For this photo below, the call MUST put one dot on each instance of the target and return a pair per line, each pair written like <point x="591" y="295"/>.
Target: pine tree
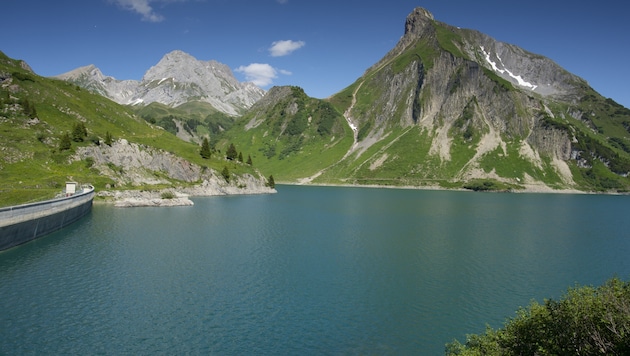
<point x="65" y="142"/>
<point x="240" y="157"/>
<point x="79" y="132"/>
<point x="205" y="149"/>
<point x="226" y="173"/>
<point x="249" y="160"/>
<point x="231" y="153"/>
<point x="271" y="183"/>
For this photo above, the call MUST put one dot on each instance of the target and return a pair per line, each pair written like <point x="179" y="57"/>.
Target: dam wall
<point x="23" y="223"/>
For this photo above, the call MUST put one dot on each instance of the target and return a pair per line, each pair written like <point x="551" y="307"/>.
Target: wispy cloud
<point x="144" y="8"/>
<point x="261" y="74"/>
<point x="283" y="48"/>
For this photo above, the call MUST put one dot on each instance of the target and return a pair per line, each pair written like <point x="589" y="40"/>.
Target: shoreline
<point x="169" y="197"/>
<point x="181" y="196"/>
<point x="529" y="189"/>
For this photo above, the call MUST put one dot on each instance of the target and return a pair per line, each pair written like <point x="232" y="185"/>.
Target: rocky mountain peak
<point x="418" y="25"/>
<point x="89" y="70"/>
<point x="176" y="79"/>
<point x="417" y="21"/>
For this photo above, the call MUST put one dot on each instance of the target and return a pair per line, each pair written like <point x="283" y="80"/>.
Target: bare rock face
<point x="136" y="165"/>
<point x="176" y="79"/>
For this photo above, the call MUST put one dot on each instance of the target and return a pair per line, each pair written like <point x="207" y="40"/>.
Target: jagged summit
<point x="521" y="68"/>
<point x="90" y="69"/>
<point x="176" y="79"/>
<point x="417" y="20"/>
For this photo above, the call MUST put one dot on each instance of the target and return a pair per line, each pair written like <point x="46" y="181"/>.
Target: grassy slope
<point x="31" y="165"/>
<point x="291" y="145"/>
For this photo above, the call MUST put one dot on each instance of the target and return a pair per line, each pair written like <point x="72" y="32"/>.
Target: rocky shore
<point x="133" y="165"/>
<point x="181" y="196"/>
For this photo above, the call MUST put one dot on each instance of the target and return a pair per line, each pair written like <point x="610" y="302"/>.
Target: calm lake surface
<point x="310" y="270"/>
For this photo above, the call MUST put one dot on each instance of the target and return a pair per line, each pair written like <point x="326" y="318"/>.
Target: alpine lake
<point x="307" y="271"/>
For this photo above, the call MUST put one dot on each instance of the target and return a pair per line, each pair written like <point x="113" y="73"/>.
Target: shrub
<point x="481" y="185"/>
<point x="167" y="194"/>
<point x="585" y="321"/>
<point x="89" y="162"/>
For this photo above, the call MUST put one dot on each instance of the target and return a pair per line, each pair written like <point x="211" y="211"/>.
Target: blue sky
<point x="322" y="46"/>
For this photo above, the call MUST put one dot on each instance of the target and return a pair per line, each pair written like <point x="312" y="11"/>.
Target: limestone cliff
<point x="131" y="164"/>
<point x="176" y="79"/>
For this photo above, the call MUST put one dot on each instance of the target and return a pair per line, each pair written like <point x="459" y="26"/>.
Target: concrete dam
<point x="22" y="223"/>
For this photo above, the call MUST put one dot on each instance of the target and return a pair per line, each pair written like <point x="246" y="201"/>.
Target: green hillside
<point x="290" y="135"/>
<point x="196" y="119"/>
<point x="36" y="113"/>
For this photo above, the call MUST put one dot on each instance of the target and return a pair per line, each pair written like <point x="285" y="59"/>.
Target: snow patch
<point x="494" y="66"/>
<point x="161" y="80"/>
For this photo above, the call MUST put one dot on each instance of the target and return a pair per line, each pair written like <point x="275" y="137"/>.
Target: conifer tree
<point x="79" y="132"/>
<point x="249" y="160"/>
<point x="226" y="173"/>
<point x="270" y="182"/>
<point x="65" y="142"/>
<point x="231" y="153"/>
<point x="205" y="149"/>
<point x="240" y="157"/>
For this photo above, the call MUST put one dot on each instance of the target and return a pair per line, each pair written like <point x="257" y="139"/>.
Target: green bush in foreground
<point x="585" y="321"/>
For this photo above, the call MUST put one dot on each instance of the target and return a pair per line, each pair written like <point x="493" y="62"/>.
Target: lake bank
<point x="528" y="188"/>
<point x="179" y="196"/>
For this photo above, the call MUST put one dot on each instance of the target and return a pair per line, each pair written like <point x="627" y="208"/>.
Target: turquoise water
<point x="310" y="270"/>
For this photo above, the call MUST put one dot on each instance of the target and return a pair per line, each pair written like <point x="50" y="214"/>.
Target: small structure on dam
<point x="22" y="223"/>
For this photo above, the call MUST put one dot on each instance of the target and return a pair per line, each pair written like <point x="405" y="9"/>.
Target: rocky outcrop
<point x="134" y="164"/>
<point x="130" y="164"/>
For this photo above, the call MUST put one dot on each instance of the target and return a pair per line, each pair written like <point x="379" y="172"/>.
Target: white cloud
<point x="261" y="74"/>
<point x="283" y="48"/>
<point x="144" y="8"/>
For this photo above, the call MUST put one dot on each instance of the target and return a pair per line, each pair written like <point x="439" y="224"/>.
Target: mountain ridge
<point x="176" y="79"/>
<point x="456" y="108"/>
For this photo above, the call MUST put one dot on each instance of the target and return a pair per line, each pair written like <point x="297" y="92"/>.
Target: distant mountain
<point x="453" y="108"/>
<point x="176" y="79"/>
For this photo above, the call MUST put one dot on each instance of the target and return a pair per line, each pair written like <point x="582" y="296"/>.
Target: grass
<point x="448" y="40"/>
<point x="423" y="50"/>
<point x="23" y="196"/>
